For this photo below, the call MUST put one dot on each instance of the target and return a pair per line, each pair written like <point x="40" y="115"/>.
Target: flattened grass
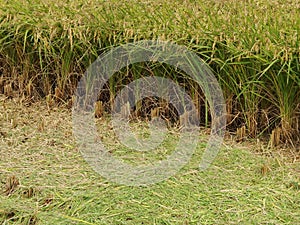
<point x="37" y="147"/>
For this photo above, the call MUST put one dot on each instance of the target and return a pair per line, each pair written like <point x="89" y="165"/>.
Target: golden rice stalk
<point x="275" y="137"/>
<point x="99" y="109"/>
<point x="241" y="133"/>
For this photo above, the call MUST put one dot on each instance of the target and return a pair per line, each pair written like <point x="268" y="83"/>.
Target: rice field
<point x="251" y="46"/>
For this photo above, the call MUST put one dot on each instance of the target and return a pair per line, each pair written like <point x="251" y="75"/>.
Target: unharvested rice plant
<point x="252" y="47"/>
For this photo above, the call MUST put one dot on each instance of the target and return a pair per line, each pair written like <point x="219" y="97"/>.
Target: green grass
<point x="37" y="146"/>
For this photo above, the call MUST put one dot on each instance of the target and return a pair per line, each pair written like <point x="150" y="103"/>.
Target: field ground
<point x="58" y="187"/>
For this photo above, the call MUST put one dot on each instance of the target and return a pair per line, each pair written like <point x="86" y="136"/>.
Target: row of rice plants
<point x="252" y="46"/>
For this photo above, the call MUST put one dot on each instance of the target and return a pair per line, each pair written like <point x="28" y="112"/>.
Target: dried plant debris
<point x="7" y="213"/>
<point x="294" y="185"/>
<point x="28" y="192"/>
<point x="11" y="185"/>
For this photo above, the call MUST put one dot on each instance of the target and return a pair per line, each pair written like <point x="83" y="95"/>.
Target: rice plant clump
<point x="252" y="47"/>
